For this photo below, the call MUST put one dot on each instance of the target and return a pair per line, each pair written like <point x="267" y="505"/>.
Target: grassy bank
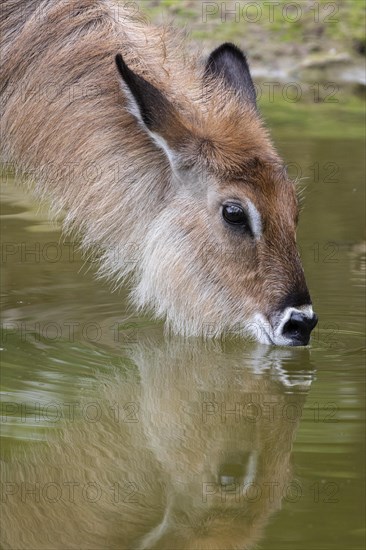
<point x="315" y="25"/>
<point x="307" y="39"/>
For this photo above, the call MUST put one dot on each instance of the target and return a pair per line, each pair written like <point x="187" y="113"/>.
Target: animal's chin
<point x="273" y="340"/>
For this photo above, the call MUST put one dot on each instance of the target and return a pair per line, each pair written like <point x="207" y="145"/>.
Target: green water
<point x="113" y="437"/>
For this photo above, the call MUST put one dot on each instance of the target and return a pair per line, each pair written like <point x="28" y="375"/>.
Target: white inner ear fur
<point x="160" y="142"/>
<point x="132" y="106"/>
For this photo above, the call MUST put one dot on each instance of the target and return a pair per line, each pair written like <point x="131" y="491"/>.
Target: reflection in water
<point x="190" y="450"/>
<point x="161" y="425"/>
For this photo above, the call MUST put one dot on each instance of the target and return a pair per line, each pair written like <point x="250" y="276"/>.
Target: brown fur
<point x="66" y="122"/>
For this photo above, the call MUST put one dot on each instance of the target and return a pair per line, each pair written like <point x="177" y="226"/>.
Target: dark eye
<point x="234" y="214"/>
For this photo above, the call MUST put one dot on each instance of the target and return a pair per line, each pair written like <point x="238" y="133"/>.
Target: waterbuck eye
<point x="234" y="214"/>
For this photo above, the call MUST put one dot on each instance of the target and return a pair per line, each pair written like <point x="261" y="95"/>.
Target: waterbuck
<point x="148" y="148"/>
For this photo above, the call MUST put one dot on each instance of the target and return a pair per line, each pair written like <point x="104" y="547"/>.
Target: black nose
<point x="299" y="327"/>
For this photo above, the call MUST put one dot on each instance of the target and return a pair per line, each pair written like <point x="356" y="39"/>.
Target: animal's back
<point x="49" y="49"/>
<point x="62" y="109"/>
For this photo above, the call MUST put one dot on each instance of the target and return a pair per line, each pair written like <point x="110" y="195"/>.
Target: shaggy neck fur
<point x="66" y="123"/>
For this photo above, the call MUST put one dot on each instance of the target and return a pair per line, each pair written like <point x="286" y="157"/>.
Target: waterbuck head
<point x="220" y="255"/>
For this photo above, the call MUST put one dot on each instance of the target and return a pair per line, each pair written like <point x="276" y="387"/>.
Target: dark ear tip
<point x="226" y="53"/>
<point x="121" y="66"/>
<point x="228" y="47"/>
<point x="229" y="62"/>
<point x="119" y="60"/>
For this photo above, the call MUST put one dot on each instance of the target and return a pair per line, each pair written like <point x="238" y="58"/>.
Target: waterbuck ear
<point x="230" y="63"/>
<point x="150" y="106"/>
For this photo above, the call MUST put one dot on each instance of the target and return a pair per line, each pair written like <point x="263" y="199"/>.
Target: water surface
<point x="114" y="437"/>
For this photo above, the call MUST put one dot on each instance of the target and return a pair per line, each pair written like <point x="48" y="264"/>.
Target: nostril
<point x="299" y="327"/>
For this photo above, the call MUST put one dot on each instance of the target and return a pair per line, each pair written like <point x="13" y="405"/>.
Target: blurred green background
<point x="312" y="59"/>
<point x="301" y="54"/>
<point x="310" y="34"/>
